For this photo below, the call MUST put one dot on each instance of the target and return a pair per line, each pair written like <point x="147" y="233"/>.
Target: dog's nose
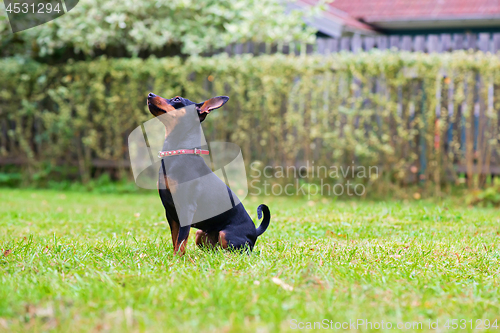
<point x="151" y="95"/>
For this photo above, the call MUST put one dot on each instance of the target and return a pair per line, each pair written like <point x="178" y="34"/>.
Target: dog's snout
<point x="151" y="95"/>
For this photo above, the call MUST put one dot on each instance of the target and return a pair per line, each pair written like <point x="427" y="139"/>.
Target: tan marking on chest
<point x="171" y="184"/>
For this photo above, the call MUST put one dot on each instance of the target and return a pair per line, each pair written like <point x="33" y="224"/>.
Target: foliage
<point x="487" y="197"/>
<point x="414" y="116"/>
<point x="10" y="179"/>
<point x="152" y="25"/>
<point x="85" y="262"/>
<point x="102" y="184"/>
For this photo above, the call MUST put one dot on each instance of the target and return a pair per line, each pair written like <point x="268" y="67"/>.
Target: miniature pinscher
<point x="233" y="229"/>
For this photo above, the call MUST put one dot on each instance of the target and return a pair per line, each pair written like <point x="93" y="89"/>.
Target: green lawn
<point x="93" y="262"/>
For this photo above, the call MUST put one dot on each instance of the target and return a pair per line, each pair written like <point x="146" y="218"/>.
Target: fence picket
<point x="321" y="43"/>
<point x="496" y="43"/>
<point x="420" y="43"/>
<point x="484" y="42"/>
<point x="458" y="40"/>
<point x="471" y="41"/>
<point x="345" y="44"/>
<point x="382" y="42"/>
<point x="394" y="42"/>
<point x="238" y="49"/>
<point x="446" y="43"/>
<point x="433" y="44"/>
<point x="356" y="45"/>
<point x="406" y="43"/>
<point x="369" y="43"/>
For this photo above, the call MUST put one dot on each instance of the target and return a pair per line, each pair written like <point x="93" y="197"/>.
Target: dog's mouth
<point x="155" y="109"/>
<point x="153" y="106"/>
<point x="158" y="107"/>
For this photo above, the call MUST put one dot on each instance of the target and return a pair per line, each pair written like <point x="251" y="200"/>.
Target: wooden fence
<point x="485" y="42"/>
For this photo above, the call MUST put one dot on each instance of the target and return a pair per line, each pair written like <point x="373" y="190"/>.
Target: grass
<point x="85" y="262"/>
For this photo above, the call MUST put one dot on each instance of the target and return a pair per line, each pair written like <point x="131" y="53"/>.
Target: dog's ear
<point x="213" y="103"/>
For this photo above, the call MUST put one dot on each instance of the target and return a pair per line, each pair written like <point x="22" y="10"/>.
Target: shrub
<point x="128" y="27"/>
<point x="415" y="116"/>
<point x="488" y="197"/>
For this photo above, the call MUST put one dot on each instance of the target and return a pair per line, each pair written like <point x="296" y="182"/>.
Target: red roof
<point x="347" y="19"/>
<point x="382" y="10"/>
<point x="338" y="15"/>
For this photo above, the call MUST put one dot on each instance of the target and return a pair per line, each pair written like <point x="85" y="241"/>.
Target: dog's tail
<point x="265" y="222"/>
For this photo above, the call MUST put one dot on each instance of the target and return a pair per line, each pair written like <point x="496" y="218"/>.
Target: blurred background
<point x="411" y="87"/>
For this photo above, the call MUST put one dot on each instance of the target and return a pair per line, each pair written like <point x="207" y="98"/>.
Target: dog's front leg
<point x="179" y="235"/>
<point x="182" y="239"/>
<point x="174" y="230"/>
<point x="185" y="211"/>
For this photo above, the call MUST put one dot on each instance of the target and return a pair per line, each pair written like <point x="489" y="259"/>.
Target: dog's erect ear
<point x="213" y="103"/>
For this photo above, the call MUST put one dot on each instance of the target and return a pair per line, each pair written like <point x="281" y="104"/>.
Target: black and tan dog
<point x="232" y="229"/>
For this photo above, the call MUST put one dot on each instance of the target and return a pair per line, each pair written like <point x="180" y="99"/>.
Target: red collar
<point x="194" y="151"/>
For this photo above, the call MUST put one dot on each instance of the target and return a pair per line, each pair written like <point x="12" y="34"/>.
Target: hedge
<point x="415" y="116"/>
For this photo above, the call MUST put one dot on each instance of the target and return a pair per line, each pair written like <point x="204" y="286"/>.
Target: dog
<point x="231" y="230"/>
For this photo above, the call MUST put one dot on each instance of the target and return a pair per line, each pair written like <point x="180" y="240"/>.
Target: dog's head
<point x="158" y="105"/>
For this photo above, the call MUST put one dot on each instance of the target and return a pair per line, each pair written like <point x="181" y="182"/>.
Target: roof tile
<point x="373" y="10"/>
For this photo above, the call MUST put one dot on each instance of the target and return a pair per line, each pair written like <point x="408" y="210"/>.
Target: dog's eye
<point x="177" y="99"/>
